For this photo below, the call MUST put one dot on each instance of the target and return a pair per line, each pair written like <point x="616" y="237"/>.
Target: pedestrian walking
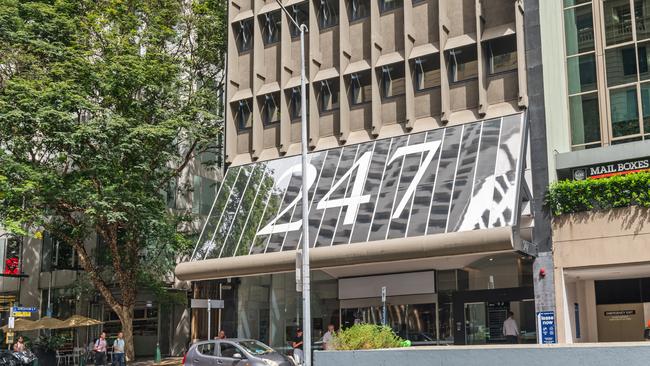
<point x="328" y="338"/>
<point x="100" y="350"/>
<point x="118" y="350"/>
<point x="298" y="354"/>
<point x="511" y="329"/>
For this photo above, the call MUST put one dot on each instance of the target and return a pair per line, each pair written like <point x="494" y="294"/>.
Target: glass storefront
<point x="467" y="306"/>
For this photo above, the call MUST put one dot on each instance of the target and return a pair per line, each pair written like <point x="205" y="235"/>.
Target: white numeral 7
<point x="431" y="147"/>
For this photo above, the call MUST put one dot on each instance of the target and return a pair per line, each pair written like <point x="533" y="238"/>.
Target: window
<point x="624" y="112"/>
<point x="244" y="35"/>
<point x="229" y="350"/>
<point x="57" y="255"/>
<point x="271" y="27"/>
<point x="270" y="109"/>
<point x="426" y="72"/>
<point x="63" y="303"/>
<point x="329" y="95"/>
<point x="328" y="13"/>
<point x="579" y="30"/>
<point x="621" y="65"/>
<point x="618" y="21"/>
<point x="392" y="80"/>
<point x="388" y="5"/>
<point x="502" y="54"/>
<point x="585" y="120"/>
<point x="358" y="9"/>
<point x="203" y="195"/>
<point x="642" y="17"/>
<point x="300" y="13"/>
<point x="169" y="192"/>
<point x="10" y="255"/>
<point x="360" y="88"/>
<point x="581" y="73"/>
<point x="207" y="349"/>
<point x="295" y="104"/>
<point x="463" y="64"/>
<point x="244" y="113"/>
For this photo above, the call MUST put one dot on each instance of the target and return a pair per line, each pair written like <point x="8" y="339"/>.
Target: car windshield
<point x="256" y="347"/>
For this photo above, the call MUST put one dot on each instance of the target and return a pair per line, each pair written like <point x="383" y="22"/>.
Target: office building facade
<point x="425" y="127"/>
<point x="598" y="127"/>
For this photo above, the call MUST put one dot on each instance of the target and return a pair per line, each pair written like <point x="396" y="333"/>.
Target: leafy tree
<point x="102" y="103"/>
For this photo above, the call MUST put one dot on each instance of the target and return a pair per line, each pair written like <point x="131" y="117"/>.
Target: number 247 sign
<point x="356" y="198"/>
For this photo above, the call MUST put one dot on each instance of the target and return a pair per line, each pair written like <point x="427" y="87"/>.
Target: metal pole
<point x="209" y="318"/>
<point x="306" y="288"/>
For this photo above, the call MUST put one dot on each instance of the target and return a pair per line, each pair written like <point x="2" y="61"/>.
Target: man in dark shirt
<point x="297" y="347"/>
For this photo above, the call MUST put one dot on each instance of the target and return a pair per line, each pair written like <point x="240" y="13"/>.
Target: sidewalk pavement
<point x="169" y="361"/>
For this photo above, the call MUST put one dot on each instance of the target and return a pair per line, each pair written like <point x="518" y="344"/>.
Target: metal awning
<point x="450" y="191"/>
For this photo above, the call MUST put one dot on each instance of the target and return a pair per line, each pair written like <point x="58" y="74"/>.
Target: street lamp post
<point x="306" y="288"/>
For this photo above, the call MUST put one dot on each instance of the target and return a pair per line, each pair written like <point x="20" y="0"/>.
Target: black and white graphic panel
<point x="452" y="179"/>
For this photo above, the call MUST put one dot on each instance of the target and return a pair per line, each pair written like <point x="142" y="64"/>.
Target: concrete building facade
<point x="427" y="168"/>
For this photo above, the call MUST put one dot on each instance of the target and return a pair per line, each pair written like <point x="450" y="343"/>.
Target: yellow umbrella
<point x="77" y="321"/>
<point x="49" y="323"/>
<point x="21" y="325"/>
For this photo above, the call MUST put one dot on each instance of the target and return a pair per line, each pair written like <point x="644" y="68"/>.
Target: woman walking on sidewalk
<point x="100" y="350"/>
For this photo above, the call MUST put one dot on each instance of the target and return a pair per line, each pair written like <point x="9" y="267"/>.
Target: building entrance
<point x="479" y="315"/>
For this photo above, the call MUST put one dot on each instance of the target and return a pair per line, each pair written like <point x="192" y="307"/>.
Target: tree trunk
<point x="126" y="319"/>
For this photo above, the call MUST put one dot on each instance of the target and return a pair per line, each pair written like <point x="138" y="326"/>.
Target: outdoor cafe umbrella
<point x="49" y="323"/>
<point x="77" y="321"/>
<point x="21" y="325"/>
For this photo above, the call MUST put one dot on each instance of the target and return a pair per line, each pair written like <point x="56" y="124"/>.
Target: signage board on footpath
<point x="546" y="332"/>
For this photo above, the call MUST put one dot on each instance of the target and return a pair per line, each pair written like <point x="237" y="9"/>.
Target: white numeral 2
<point x="271" y="227"/>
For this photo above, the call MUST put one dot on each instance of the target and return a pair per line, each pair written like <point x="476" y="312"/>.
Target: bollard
<point x="157" y="358"/>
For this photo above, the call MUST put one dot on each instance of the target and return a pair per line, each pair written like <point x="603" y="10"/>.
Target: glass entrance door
<point x="476" y="329"/>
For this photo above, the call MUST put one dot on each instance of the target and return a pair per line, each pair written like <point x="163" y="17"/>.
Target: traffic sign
<point x="12" y="322"/>
<point x="22" y="314"/>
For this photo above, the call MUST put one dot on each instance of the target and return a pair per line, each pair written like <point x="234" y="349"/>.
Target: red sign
<point x="12" y="266"/>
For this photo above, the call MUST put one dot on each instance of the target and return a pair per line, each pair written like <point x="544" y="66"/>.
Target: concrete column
<point x="443" y="21"/>
<point x="344" y="61"/>
<point x="259" y="71"/>
<point x="313" y="63"/>
<point x="591" y="315"/>
<point x="482" y="67"/>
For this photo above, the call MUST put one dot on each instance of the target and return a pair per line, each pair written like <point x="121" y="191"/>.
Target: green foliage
<point x="102" y="103"/>
<point x="52" y="343"/>
<point x="366" y="336"/>
<point x="571" y="196"/>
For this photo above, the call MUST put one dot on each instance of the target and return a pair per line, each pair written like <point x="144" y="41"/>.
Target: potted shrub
<point x="45" y="349"/>
<point x="367" y="336"/>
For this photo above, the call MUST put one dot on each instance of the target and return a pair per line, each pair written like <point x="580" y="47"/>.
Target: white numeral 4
<point x="356" y="197"/>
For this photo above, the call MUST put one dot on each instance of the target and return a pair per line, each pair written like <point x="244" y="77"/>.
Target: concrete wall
<point x="631" y="354"/>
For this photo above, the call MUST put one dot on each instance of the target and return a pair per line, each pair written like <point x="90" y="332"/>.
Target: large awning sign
<point x="452" y="179"/>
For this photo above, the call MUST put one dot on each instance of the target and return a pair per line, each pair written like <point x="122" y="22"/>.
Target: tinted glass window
<point x="206" y="349"/>
<point x="229" y="350"/>
<point x="618" y="291"/>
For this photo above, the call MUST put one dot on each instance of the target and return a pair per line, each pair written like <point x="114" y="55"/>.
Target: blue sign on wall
<point x="546" y="327"/>
<point x="20" y="309"/>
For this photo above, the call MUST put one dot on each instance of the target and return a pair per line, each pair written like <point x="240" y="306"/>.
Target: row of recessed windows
<point x="625" y="38"/>
<point x="328" y="16"/>
<point x="501" y="56"/>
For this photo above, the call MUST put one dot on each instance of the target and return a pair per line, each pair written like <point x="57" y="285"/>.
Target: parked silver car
<point x="234" y="352"/>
